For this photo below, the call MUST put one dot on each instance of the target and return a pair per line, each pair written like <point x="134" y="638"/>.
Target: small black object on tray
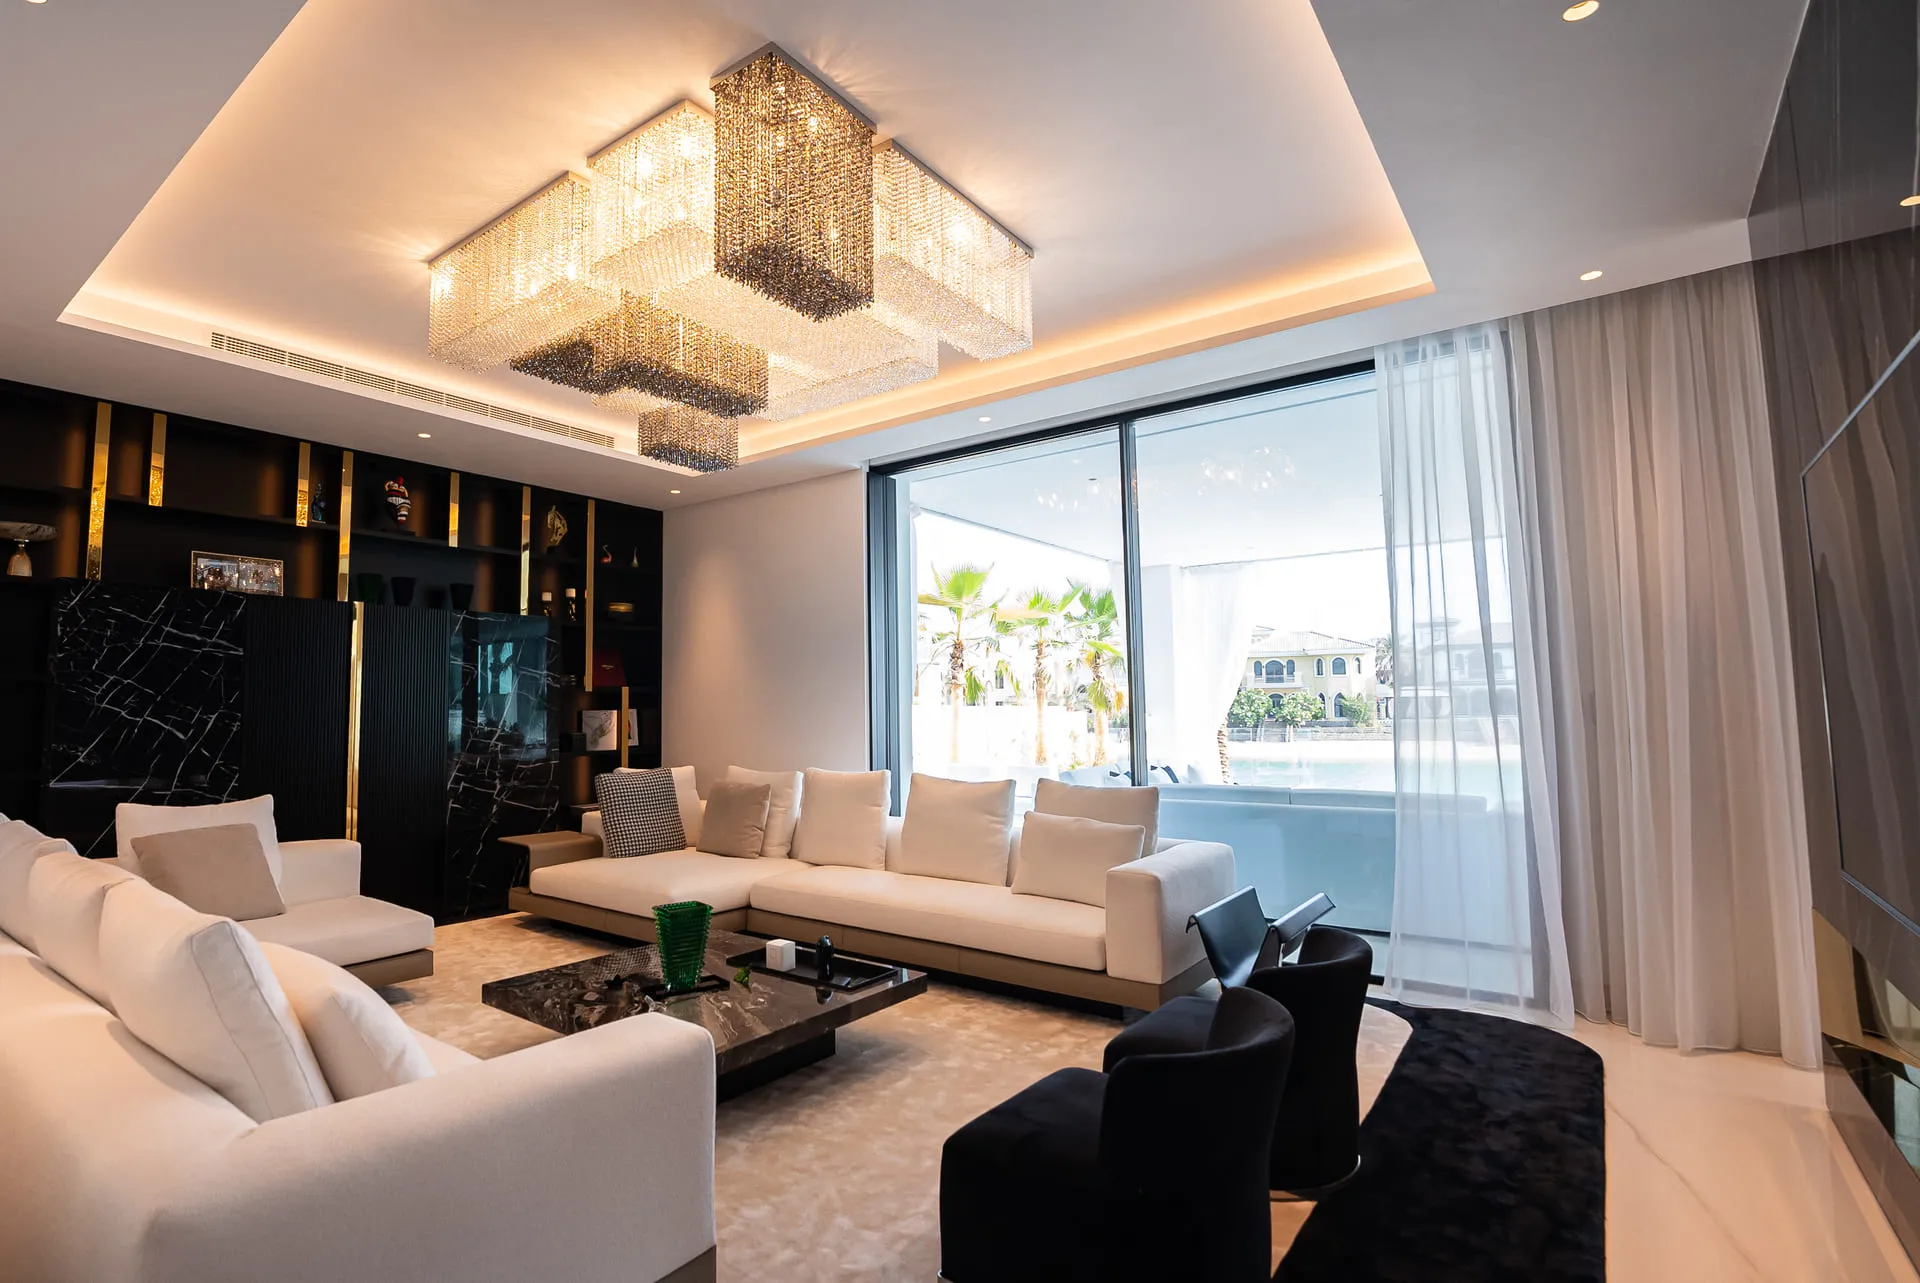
<point x="844" y="974"/>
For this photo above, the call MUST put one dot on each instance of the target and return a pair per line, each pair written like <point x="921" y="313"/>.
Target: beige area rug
<point x="832" y="1172"/>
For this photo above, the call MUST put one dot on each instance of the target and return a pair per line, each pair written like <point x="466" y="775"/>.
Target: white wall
<point x="765" y="630"/>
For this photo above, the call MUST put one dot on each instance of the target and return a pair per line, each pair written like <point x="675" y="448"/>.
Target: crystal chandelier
<point x="761" y="264"/>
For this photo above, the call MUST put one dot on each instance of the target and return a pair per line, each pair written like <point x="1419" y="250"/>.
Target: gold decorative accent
<point x="453" y="510"/>
<point x="586" y="681"/>
<point x="346" y="524"/>
<point x="303" y="487"/>
<point x="689" y="438"/>
<point x="157" y="461"/>
<point x="625" y="713"/>
<point x="944" y="265"/>
<point x="526" y="545"/>
<point x="519" y="281"/>
<point x="97" y="493"/>
<point x="355" y="657"/>
<point x="793" y="191"/>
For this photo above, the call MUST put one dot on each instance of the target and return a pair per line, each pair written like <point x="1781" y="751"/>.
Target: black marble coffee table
<point x="761" y="1029"/>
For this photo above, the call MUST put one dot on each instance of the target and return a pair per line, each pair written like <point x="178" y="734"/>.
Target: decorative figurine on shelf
<point x="546" y="604"/>
<point x="399" y="502"/>
<point x="635" y="563"/>
<point x="606" y="555"/>
<point x="556" y="528"/>
<point x="573" y="606"/>
<point x="23" y="533"/>
<point x="317" y="502"/>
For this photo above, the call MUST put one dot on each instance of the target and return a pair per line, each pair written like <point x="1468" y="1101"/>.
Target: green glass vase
<point x="681" y="931"/>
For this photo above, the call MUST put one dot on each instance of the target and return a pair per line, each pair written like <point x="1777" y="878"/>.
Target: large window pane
<point x="1265" y="600"/>
<point x="1019" y="652"/>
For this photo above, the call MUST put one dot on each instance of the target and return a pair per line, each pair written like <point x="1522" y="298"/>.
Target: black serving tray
<point x="849" y="973"/>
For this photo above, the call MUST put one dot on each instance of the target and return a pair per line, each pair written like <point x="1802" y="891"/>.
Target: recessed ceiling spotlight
<point x="36" y="1"/>
<point x="424" y="436"/>
<point x="986" y="418"/>
<point x="1910" y="202"/>
<point x="1594" y="275"/>
<point x="1576" y="12"/>
<point x="673" y="492"/>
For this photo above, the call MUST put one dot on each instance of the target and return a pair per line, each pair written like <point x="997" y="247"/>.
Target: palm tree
<point x="1095" y="629"/>
<point x="961" y="591"/>
<point x="1044" y="621"/>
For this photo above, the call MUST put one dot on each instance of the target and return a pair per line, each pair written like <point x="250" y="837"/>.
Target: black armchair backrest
<point x="1325" y="988"/>
<point x="1232" y="932"/>
<point x="1185" y="1120"/>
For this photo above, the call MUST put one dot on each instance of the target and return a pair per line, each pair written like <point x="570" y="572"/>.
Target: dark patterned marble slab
<point x="750" y="1023"/>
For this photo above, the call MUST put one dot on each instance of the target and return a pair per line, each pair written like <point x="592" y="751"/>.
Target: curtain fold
<point x="1476" y="910"/>
<point x="1214" y="615"/>
<point x="1665" y="680"/>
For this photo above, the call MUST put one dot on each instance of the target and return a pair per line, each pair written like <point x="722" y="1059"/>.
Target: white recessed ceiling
<point x="1189" y="175"/>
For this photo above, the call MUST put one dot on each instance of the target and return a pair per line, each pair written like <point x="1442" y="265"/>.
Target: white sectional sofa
<point x="586" y="1158"/>
<point x="1135" y="951"/>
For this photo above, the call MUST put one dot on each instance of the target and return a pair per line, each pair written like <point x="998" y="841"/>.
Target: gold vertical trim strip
<point x="586" y="679"/>
<point x="303" y="488"/>
<point x="625" y="713"/>
<point x="355" y="658"/>
<point x="97" y="493"/>
<point x="346" y="523"/>
<point x="453" y="511"/>
<point x="157" y="462"/>
<point x="526" y="544"/>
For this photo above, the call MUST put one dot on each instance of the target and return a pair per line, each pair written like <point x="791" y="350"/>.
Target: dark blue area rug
<point x="1483" y="1161"/>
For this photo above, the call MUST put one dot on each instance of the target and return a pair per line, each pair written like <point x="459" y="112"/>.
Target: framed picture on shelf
<point x="230" y="572"/>
<point x="597" y="724"/>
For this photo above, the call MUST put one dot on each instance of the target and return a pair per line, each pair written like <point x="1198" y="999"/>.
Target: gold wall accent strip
<point x="355" y="659"/>
<point x="625" y="713"/>
<point x="97" y="494"/>
<point x="586" y="679"/>
<point x="303" y="488"/>
<point x="526" y="544"/>
<point x="157" y="462"/>
<point x="346" y="524"/>
<point x="453" y="511"/>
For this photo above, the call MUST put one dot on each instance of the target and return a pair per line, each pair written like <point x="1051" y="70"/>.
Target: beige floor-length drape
<point x="1665" y="674"/>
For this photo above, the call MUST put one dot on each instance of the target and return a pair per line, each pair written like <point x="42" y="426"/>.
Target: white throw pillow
<point x="783" y="811"/>
<point x="20" y="845"/>
<point x="361" y="1044"/>
<point x="132" y="820"/>
<point x="1113" y="806"/>
<point x="65" y="894"/>
<point x="843" y="819"/>
<point x="956" y="829"/>
<point x="1066" y="857"/>
<point x="197" y="989"/>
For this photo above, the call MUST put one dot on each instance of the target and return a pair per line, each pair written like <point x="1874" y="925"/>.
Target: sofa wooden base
<point x="1047" y="977"/>
<point x="704" y="1268"/>
<point x="396" y="969"/>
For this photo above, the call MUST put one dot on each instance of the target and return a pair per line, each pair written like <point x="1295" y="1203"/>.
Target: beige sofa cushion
<point x="969" y="914"/>
<point x="443" y="1056"/>
<point x="197" y="989"/>
<point x="843" y="819"/>
<point x="65" y="894"/>
<point x="20" y="845"/>
<point x="362" y="1046"/>
<point x="1067" y="857"/>
<point x="783" y="809"/>
<point x="347" y="930"/>
<point x="132" y="820"/>
<point x="221" y="870"/>
<point x="956" y="829"/>
<point x="1113" y="806"/>
<point x="735" y="821"/>
<point x="636" y="885"/>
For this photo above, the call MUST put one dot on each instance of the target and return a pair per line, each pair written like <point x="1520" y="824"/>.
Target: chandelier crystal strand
<point x="794" y="390"/>
<point x="649" y="349"/>
<point x="653" y="203"/>
<point x="690" y="438"/>
<point x="793" y="194"/>
<point x="944" y="265"/>
<point x="518" y="282"/>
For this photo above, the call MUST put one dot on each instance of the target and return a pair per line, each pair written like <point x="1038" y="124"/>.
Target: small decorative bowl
<point x="619" y="608"/>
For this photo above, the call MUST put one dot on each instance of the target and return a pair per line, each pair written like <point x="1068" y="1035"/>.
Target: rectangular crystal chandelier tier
<point x="648" y="349"/>
<point x="793" y="196"/>
<point x="519" y="281"/>
<point x="690" y="438"/>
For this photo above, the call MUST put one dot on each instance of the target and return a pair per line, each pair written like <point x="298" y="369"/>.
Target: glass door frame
<point x="890" y="623"/>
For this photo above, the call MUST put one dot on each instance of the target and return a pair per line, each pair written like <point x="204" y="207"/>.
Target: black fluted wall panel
<point x="403" y="755"/>
<point x="294" y="733"/>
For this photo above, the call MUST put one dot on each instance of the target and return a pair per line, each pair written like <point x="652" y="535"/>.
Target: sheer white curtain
<point x="1476" y="917"/>
<point x="1210" y="612"/>
<point x="1643" y="437"/>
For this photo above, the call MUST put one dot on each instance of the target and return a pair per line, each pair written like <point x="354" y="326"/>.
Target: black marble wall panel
<point x="501" y="774"/>
<point x="150" y="685"/>
<point x="294" y="732"/>
<point x="403" y="753"/>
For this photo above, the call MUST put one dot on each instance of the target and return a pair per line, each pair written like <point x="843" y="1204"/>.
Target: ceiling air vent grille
<point x="400" y="387"/>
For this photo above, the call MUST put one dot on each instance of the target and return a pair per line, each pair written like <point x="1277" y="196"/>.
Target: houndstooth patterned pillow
<point x="639" y="813"/>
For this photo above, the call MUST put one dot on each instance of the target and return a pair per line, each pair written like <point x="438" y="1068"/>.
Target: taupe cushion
<point x="736" y="819"/>
<point x="1066" y="857"/>
<point x="956" y="829"/>
<point x="1114" y="806"/>
<point x="784" y="810"/>
<point x="221" y="870"/>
